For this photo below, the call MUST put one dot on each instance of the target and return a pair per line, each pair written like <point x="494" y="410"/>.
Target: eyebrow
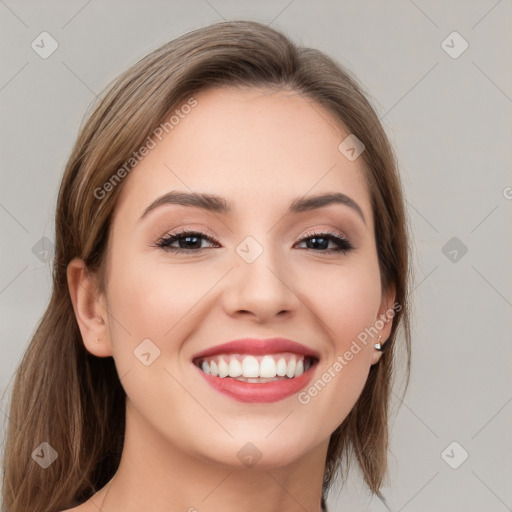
<point x="215" y="203"/>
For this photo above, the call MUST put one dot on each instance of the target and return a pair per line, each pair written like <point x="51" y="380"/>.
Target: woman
<point x="230" y="274"/>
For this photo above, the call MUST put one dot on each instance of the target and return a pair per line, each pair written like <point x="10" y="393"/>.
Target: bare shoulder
<point x="91" y="505"/>
<point x="83" y="507"/>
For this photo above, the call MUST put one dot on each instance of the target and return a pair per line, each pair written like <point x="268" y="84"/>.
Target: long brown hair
<point x="65" y="396"/>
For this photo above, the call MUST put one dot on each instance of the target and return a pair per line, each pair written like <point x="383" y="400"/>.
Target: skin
<point x="260" y="149"/>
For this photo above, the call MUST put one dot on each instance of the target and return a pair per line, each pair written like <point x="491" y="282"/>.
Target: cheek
<point x="347" y="305"/>
<point x="347" y="300"/>
<point x="156" y="300"/>
<point x="152" y="312"/>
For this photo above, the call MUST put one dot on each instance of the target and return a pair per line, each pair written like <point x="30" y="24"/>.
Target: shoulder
<point x="78" y="507"/>
<point x="85" y="506"/>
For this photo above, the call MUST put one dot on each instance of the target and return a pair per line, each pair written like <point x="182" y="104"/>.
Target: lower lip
<point x="258" y="392"/>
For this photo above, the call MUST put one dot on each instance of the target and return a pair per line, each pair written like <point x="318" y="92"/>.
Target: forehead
<point x="252" y="146"/>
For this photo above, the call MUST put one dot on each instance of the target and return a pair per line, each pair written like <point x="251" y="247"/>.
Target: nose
<point x="262" y="290"/>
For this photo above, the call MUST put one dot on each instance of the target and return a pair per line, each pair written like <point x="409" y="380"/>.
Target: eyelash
<point x="343" y="244"/>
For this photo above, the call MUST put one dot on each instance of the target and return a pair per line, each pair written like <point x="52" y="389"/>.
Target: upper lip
<point x="255" y="346"/>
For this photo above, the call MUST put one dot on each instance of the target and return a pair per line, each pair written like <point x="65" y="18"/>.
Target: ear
<point x="90" y="308"/>
<point x="385" y="320"/>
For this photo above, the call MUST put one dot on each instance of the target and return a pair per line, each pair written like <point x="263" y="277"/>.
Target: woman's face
<point x="259" y="270"/>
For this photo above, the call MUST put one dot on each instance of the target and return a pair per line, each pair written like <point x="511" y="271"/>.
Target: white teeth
<point x="290" y="372"/>
<point x="281" y="367"/>
<point x="267" y="367"/>
<point x="250" y="367"/>
<point x="235" y="368"/>
<point x="299" y="369"/>
<point x="223" y="368"/>
<point x="213" y="368"/>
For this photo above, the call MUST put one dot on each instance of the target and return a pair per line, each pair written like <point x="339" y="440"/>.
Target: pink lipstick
<point x="257" y="370"/>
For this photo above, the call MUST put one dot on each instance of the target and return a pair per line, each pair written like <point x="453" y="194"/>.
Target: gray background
<point x="449" y="120"/>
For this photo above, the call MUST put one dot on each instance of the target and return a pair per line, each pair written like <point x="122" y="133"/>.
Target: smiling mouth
<point x="256" y="368"/>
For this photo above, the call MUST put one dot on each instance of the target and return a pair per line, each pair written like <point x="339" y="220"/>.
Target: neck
<point x="158" y="475"/>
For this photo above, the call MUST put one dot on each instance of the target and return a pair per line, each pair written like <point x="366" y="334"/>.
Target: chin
<point x="264" y="452"/>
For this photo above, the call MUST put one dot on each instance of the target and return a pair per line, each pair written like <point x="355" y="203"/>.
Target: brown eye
<point x="321" y="241"/>
<point x="188" y="241"/>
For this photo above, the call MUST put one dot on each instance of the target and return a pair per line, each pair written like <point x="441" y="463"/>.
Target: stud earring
<point x="377" y="345"/>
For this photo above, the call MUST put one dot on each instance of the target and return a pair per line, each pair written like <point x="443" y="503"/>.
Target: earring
<point x="377" y="345"/>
